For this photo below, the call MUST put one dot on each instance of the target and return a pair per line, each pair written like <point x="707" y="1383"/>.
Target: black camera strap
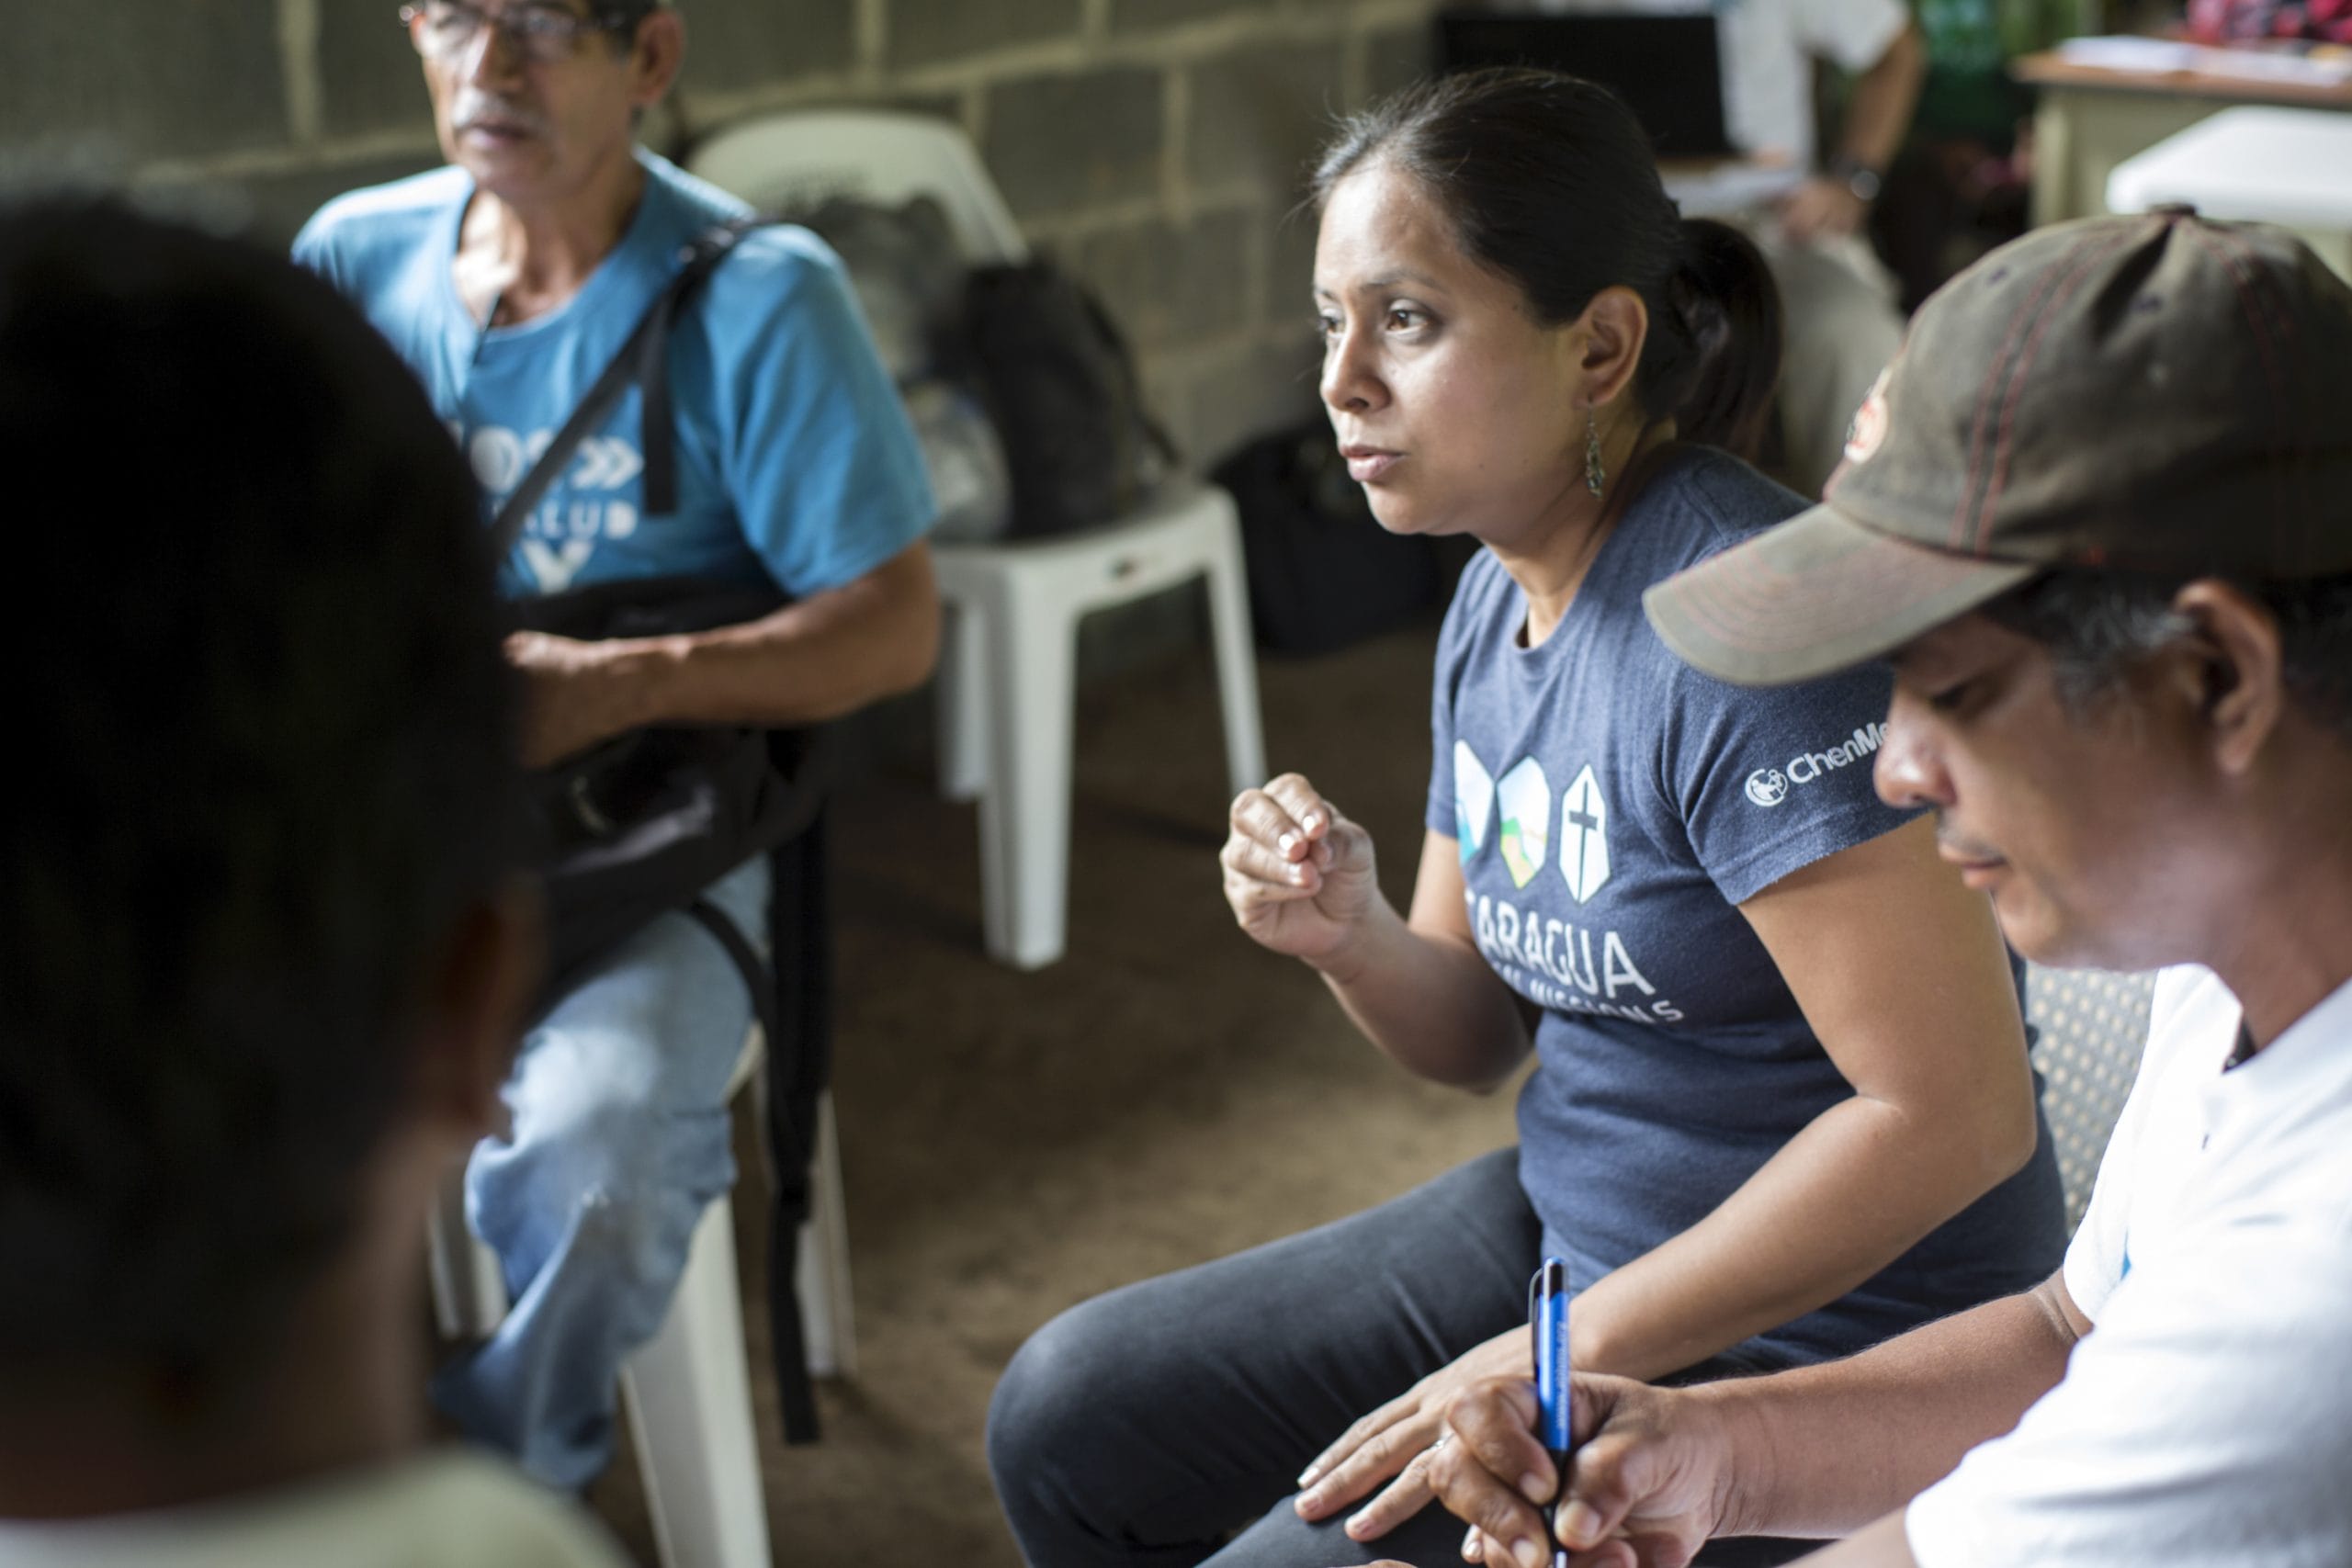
<point x="644" y="360"/>
<point x="798" y="1033"/>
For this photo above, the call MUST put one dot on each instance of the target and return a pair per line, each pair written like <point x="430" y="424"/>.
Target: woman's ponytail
<point x="1716" y="358"/>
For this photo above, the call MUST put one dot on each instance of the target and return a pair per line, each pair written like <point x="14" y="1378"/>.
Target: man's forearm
<point x="1824" y="1451"/>
<point x="823" y="657"/>
<point x="1878" y="115"/>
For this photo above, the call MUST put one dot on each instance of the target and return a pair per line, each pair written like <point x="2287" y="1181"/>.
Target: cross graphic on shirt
<point x="1584" y="858"/>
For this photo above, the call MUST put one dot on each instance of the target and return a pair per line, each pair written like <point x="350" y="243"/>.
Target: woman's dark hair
<point x="1549" y="180"/>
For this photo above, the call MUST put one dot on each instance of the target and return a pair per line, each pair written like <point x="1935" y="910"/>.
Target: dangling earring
<point x="1594" y="477"/>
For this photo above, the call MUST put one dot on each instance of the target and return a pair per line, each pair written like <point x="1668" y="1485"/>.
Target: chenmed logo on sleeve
<point x="1770" y="786"/>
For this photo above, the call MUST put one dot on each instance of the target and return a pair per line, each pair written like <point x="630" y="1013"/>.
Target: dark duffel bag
<point x="1061" y="387"/>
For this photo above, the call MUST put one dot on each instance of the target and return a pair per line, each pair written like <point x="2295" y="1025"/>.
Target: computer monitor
<point x="1666" y="65"/>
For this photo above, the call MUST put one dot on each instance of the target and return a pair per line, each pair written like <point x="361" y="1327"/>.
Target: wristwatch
<point x="1856" y="176"/>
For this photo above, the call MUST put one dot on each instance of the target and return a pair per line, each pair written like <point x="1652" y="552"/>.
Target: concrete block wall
<point x="1157" y="146"/>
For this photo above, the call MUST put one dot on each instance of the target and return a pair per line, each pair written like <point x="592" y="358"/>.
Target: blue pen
<point x="1548" y="1315"/>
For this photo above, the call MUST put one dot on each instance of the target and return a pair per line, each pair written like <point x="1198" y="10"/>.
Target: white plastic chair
<point x="1007" y="669"/>
<point x="687" y="1390"/>
<point x="2093" y="1025"/>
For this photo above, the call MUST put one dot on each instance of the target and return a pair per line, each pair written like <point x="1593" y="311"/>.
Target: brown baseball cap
<point x="2155" y="392"/>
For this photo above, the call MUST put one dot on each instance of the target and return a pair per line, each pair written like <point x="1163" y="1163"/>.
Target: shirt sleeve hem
<point x="875" y="548"/>
<point x="1936" y="1534"/>
<point x="1857" y="822"/>
<point x="2087" y="1277"/>
<point x="1915" y="1538"/>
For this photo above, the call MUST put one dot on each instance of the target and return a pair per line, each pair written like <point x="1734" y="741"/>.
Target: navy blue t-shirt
<point x="1614" y="806"/>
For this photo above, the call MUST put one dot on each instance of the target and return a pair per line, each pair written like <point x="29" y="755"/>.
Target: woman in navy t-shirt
<point x="1783" y="1107"/>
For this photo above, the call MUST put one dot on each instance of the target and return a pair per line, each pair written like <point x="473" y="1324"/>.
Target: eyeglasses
<point x="542" y="34"/>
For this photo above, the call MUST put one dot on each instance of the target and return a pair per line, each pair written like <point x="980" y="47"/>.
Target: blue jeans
<point x="619" y="1139"/>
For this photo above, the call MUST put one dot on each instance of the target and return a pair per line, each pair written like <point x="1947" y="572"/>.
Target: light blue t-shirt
<point x="795" y="461"/>
<point x="1612" y="808"/>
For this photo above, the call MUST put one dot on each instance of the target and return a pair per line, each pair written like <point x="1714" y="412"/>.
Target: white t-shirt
<point x="2208" y="1419"/>
<point x="1768" y="48"/>
<point x="444" y="1510"/>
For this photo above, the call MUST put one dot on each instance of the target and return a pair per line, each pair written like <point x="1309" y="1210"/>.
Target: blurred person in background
<point x="1843" y="324"/>
<point x="1962" y="183"/>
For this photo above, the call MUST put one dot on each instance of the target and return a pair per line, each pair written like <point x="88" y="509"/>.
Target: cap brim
<point x="1818" y="593"/>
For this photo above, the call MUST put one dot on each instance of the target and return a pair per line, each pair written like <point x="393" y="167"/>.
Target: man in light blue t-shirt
<point x="507" y="280"/>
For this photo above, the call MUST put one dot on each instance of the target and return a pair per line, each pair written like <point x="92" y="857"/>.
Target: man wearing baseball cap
<point x="2098" y="517"/>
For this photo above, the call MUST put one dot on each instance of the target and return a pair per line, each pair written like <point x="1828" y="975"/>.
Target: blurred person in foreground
<point x="2097" y="516"/>
<point x="267" y="950"/>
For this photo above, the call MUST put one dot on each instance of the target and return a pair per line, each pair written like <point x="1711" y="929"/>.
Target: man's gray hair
<point x="622" y="16"/>
<point x="2100" y="626"/>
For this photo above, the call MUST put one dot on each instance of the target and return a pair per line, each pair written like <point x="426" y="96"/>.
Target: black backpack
<point x="1059" y="384"/>
<point x="1030" y="345"/>
<point x="639" y="826"/>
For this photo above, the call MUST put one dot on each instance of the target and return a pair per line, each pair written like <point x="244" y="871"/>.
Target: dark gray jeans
<point x="1143" y="1428"/>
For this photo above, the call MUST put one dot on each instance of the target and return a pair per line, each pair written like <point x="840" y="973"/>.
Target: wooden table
<point x="2088" y="119"/>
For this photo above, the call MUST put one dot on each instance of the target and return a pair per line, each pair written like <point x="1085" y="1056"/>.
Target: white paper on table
<point x="2158" y="57"/>
<point x="1717" y="190"/>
